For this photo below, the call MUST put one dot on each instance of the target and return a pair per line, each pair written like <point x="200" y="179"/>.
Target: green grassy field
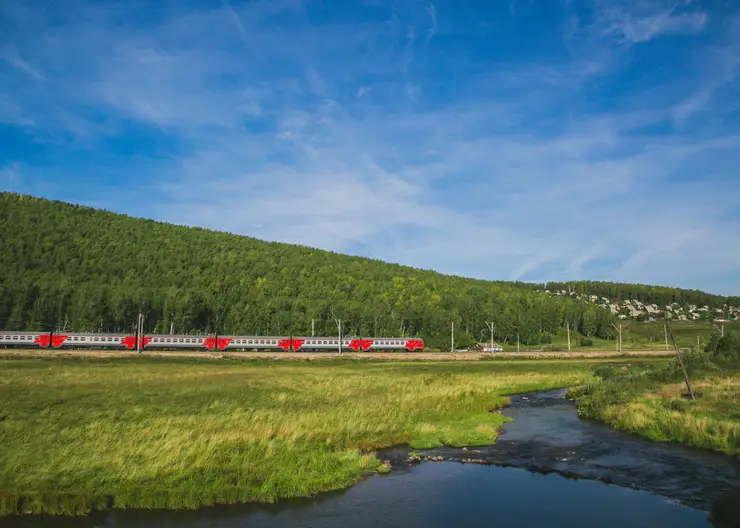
<point x="635" y="336"/>
<point x="83" y="434"/>
<point x="656" y="406"/>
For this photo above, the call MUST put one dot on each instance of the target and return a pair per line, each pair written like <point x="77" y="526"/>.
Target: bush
<point x="725" y="348"/>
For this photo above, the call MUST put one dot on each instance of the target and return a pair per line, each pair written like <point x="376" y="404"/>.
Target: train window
<point x="15" y="338"/>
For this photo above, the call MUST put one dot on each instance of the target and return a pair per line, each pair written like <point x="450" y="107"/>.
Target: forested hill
<point x="77" y="268"/>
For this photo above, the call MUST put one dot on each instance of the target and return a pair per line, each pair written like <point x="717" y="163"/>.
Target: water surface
<point x="433" y="495"/>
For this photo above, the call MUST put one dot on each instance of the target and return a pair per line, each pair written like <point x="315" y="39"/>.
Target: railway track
<point x="428" y="356"/>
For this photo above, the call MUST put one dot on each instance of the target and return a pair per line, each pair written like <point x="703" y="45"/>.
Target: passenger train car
<point x="66" y="340"/>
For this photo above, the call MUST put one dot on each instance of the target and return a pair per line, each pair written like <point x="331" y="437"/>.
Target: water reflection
<point x="433" y="495"/>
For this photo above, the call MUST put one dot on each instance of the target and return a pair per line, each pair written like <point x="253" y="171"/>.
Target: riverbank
<point x="546" y="436"/>
<point x="83" y="434"/>
<point x="656" y="405"/>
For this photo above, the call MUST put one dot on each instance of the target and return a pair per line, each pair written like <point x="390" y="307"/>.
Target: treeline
<point x="69" y="267"/>
<point x="660" y="295"/>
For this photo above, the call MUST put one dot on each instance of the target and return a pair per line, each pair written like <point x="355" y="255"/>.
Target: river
<point x="549" y="468"/>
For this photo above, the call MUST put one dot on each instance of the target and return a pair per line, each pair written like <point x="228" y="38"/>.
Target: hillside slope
<point x="73" y="267"/>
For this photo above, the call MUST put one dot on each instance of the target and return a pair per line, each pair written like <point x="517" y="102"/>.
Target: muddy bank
<point x="546" y="436"/>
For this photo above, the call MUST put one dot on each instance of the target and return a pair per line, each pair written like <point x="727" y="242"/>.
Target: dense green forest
<point x="64" y="266"/>
<point x="660" y="295"/>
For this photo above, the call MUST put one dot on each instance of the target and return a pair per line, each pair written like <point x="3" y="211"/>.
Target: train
<point x="135" y="341"/>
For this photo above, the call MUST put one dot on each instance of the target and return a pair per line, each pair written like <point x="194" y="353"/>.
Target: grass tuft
<point x="652" y="403"/>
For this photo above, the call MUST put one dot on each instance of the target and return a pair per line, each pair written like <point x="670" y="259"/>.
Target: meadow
<point x="79" y="434"/>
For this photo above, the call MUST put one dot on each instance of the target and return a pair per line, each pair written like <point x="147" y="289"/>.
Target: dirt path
<point x="440" y="356"/>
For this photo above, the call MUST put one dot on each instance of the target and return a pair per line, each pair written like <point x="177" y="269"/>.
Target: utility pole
<point x="620" y="335"/>
<point x="665" y="329"/>
<point x="683" y="368"/>
<point x="517" y="341"/>
<point x="490" y="326"/>
<point x="312" y="328"/>
<point x="452" y="340"/>
<point x="567" y="326"/>
<point x="720" y="328"/>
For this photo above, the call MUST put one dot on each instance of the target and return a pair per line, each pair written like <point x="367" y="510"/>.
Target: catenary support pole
<point x="339" y="329"/>
<point x="490" y="327"/>
<point x="139" y="334"/>
<point x="620" y="335"/>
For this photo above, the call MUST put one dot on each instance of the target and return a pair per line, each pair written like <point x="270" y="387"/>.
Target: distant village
<point x="634" y="309"/>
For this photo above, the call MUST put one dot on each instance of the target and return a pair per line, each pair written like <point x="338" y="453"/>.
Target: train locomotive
<point x="133" y="341"/>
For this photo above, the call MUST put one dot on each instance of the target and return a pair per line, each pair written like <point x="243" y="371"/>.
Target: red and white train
<point x="61" y="340"/>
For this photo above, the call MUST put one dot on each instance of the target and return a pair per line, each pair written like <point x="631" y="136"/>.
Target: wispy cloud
<point x="638" y="21"/>
<point x="435" y="135"/>
<point x="10" y="55"/>
<point x="433" y="16"/>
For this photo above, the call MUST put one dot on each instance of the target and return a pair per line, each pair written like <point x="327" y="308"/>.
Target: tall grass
<point x="653" y="403"/>
<point x="84" y="434"/>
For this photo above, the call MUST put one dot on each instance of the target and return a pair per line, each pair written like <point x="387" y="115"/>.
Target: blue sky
<point x="524" y="140"/>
